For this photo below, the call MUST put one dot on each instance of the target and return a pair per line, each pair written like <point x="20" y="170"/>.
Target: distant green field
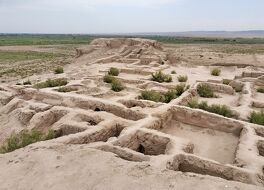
<point x="53" y="39"/>
<point x="56" y="39"/>
<point x="190" y="40"/>
<point x="13" y="56"/>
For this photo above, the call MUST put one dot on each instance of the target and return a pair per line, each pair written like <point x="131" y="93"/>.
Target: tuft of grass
<point x="214" y="108"/>
<point x="28" y="82"/>
<point x="260" y="89"/>
<point x="216" y="72"/>
<point x="24" y="138"/>
<point x="113" y="71"/>
<point x="117" y="85"/>
<point x="52" y="83"/>
<point x="182" y="78"/>
<point x="109" y="78"/>
<point x="257" y="117"/>
<point x="204" y="90"/>
<point x="161" y="77"/>
<point x="67" y="89"/>
<point x="173" y="72"/>
<point x="59" y="70"/>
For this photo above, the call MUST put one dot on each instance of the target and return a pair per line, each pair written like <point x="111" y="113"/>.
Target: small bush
<point x="67" y="89"/>
<point x="260" y="89"/>
<point x="204" y="90"/>
<point x="109" y="78"/>
<point x="173" y="72"/>
<point x="193" y="104"/>
<point x="257" y="117"/>
<point x="166" y="97"/>
<point x="221" y="110"/>
<point x="28" y="82"/>
<point x="216" y="72"/>
<point x="161" y="77"/>
<point x="182" y="78"/>
<point x="24" y="138"/>
<point x="117" y="85"/>
<point x="59" y="70"/>
<point x="152" y="95"/>
<point x="215" y="108"/>
<point x="180" y="89"/>
<point x="52" y="83"/>
<point x="113" y="71"/>
<point x="226" y="81"/>
<point x="169" y="96"/>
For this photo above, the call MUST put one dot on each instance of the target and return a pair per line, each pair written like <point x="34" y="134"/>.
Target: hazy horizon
<point x="129" y="16"/>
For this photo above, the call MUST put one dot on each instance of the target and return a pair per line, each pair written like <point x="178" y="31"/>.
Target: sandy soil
<point x="208" y="143"/>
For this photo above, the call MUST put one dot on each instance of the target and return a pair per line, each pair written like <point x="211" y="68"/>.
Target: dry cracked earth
<point x="115" y="140"/>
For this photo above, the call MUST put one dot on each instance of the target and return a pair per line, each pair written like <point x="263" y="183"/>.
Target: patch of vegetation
<point x="16" y="56"/>
<point x="257" y="117"/>
<point x="182" y="78"/>
<point x="24" y="138"/>
<point x="152" y="95"/>
<point x="117" y="85"/>
<point x="204" y="40"/>
<point x="113" y="71"/>
<point x="161" y="77"/>
<point x="59" y="70"/>
<point x="28" y="82"/>
<point x="43" y="39"/>
<point x="166" y="97"/>
<point x="260" y="89"/>
<point x="67" y="89"/>
<point x="204" y="90"/>
<point x="173" y="72"/>
<point x="109" y="78"/>
<point x="214" y="108"/>
<point x="216" y="72"/>
<point x="226" y="81"/>
<point x="52" y="83"/>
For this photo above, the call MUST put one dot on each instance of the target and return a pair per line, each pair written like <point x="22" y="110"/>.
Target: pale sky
<point x="129" y="16"/>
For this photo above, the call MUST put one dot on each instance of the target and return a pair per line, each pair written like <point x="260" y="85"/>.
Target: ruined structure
<point x="168" y="136"/>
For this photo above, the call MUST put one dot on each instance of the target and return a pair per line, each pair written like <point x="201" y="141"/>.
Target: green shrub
<point x="226" y="81"/>
<point x="173" y="72"/>
<point x="161" y="77"/>
<point x="117" y="85"/>
<point x="59" y="70"/>
<point x="152" y="95"/>
<point x="260" y="89"/>
<point x="108" y="78"/>
<point x="67" y="89"/>
<point x="221" y="110"/>
<point x="169" y="96"/>
<point x="204" y="90"/>
<point x="215" y="108"/>
<point x="113" y="71"/>
<point x="216" y="72"/>
<point x="182" y="78"/>
<point x="166" y="97"/>
<point x="28" y="82"/>
<point x="193" y="104"/>
<point x="180" y="89"/>
<point x="52" y="83"/>
<point x="257" y="117"/>
<point x="24" y="138"/>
